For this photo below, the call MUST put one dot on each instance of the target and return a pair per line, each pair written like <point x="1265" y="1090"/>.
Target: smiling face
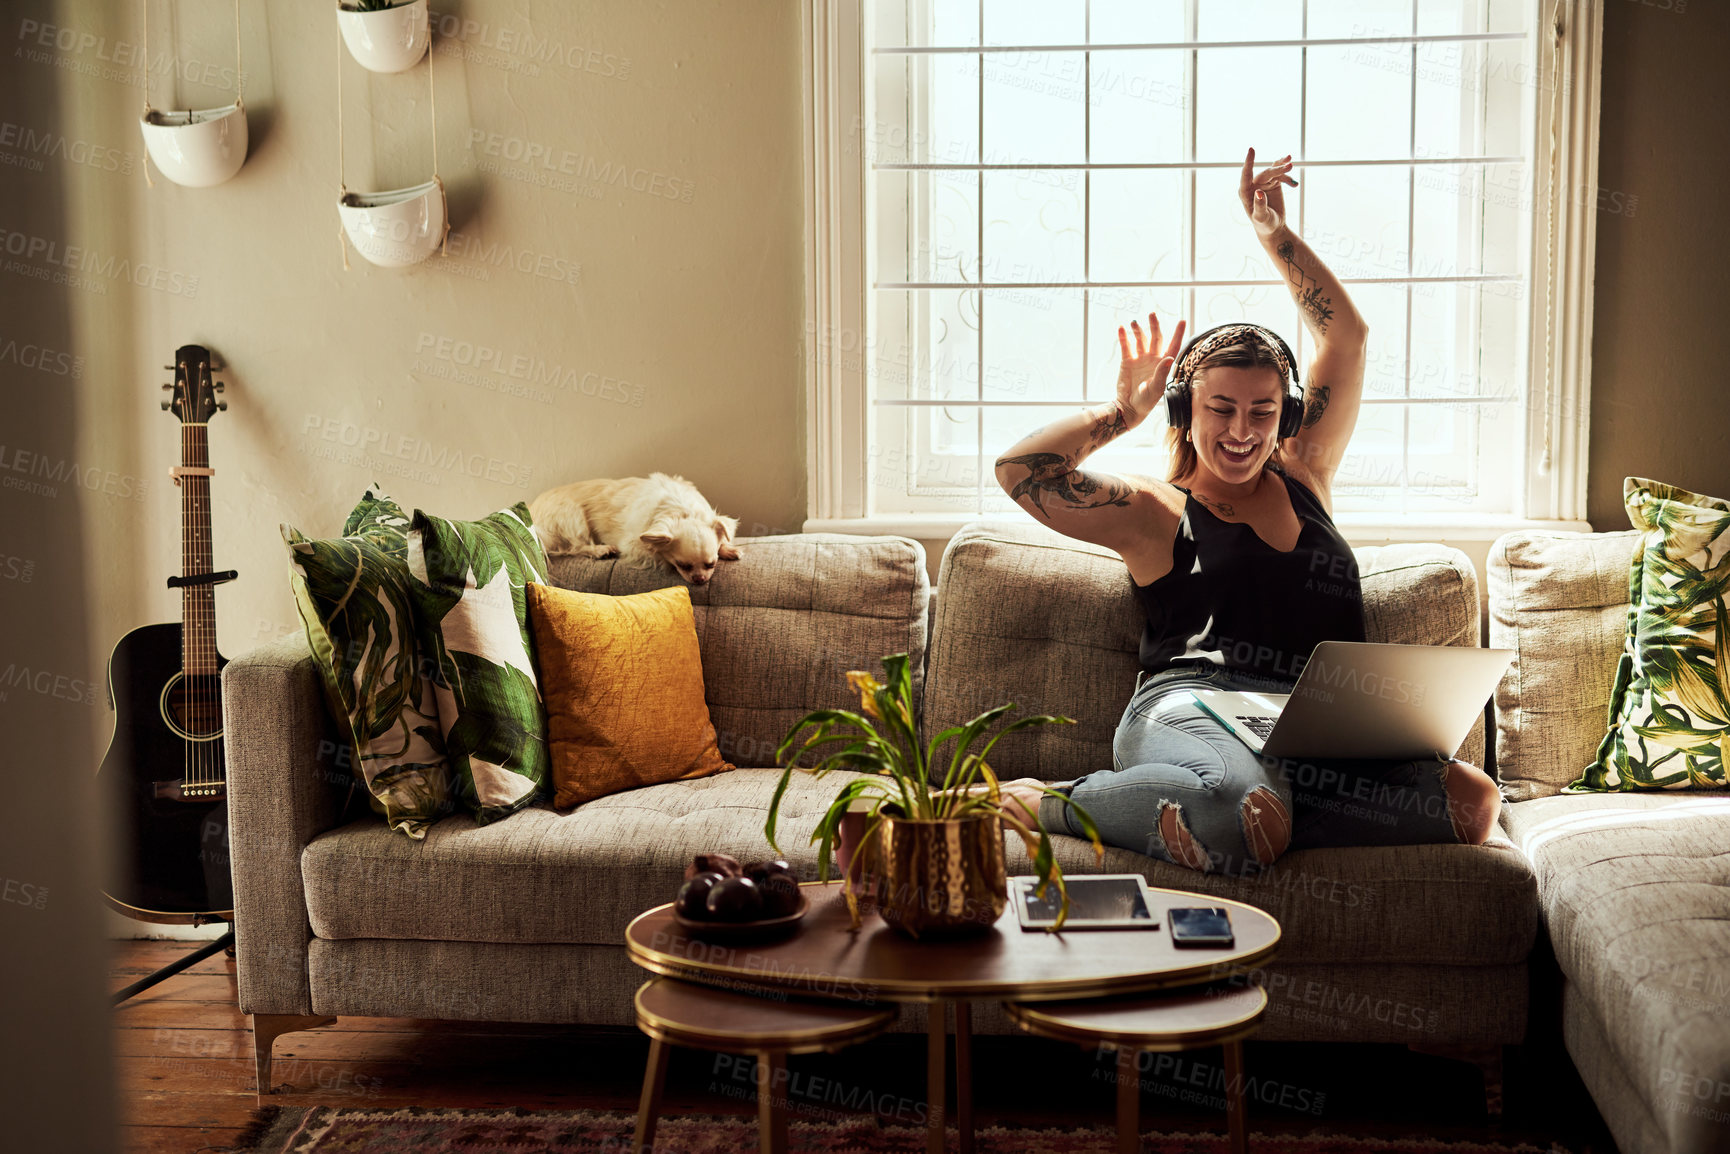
<point x="1234" y="420"/>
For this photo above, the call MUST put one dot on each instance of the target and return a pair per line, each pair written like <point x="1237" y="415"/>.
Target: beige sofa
<point x="1635" y="889"/>
<point x="521" y="920"/>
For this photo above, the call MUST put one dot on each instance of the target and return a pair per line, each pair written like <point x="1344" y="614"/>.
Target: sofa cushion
<point x="780" y="627"/>
<point x="354" y="599"/>
<point x="623" y="682"/>
<point x="1438" y="905"/>
<point x="1026" y="615"/>
<point x="580" y="877"/>
<point x="549" y="877"/>
<point x="1635" y="890"/>
<point x="1670" y="705"/>
<point x="1560" y="602"/>
<point x="468" y="578"/>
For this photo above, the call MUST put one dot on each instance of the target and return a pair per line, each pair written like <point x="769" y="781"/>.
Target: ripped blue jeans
<point x="1185" y="790"/>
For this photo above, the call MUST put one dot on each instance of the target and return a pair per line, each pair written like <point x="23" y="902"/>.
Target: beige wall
<point x="577" y="327"/>
<point x="1660" y="401"/>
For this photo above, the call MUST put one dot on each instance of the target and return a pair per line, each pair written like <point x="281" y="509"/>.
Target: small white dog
<point x="641" y="520"/>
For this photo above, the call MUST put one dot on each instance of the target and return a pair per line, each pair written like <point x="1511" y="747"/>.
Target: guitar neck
<point x="197" y="602"/>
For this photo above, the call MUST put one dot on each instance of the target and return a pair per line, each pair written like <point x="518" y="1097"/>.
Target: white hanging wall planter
<point x="398" y="228"/>
<point x="391" y="39"/>
<point x="401" y="226"/>
<point x="196" y="149"/>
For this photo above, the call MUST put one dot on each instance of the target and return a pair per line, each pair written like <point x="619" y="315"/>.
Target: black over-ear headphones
<point x="1179" y="392"/>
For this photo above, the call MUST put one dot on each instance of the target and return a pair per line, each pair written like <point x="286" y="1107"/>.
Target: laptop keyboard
<point x="1258" y="725"/>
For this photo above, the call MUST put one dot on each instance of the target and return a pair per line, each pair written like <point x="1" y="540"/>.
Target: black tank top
<point x="1232" y="599"/>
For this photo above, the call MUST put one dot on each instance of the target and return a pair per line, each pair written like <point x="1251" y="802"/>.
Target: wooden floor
<point x="185" y="1070"/>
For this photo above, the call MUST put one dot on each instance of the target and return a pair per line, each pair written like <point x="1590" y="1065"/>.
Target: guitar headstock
<point x="193" y="395"/>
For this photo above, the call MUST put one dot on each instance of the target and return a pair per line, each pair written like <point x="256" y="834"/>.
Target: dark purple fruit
<point x="758" y="870"/>
<point x="693" y="899"/>
<point x="724" y="864"/>
<point x="780" y="895"/>
<point x="735" y="900"/>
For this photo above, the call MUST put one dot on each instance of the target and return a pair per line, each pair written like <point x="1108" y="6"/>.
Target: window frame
<point x="839" y="417"/>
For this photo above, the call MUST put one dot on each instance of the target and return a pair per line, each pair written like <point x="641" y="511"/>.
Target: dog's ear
<point x="658" y="535"/>
<point x="725" y="527"/>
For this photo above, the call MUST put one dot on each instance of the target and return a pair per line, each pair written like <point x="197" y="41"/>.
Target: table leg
<point x="771" y="1119"/>
<point x="1128" y="1102"/>
<point x="1234" y="1115"/>
<point x="964" y="1074"/>
<point x="935" y="1056"/>
<point x="649" y="1107"/>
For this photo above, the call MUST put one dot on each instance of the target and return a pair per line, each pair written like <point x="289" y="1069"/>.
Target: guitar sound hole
<point x="195" y="704"/>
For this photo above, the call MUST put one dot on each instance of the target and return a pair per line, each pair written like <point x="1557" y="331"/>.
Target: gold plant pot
<point x="939" y="878"/>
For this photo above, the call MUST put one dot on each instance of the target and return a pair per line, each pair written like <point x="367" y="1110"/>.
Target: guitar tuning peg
<point x="165" y="406"/>
<point x="222" y="406"/>
<point x="219" y="386"/>
<point x="170" y="368"/>
<point x="167" y="386"/>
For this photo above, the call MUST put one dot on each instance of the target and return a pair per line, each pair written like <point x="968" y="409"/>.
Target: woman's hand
<point x="1263" y="195"/>
<point x="1141" y="379"/>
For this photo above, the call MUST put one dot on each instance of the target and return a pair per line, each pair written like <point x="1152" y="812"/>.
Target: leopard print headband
<point x="1232" y="335"/>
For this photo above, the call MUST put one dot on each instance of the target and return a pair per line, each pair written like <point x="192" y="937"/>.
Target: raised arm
<point x="1334" y="382"/>
<point x="1042" y="473"/>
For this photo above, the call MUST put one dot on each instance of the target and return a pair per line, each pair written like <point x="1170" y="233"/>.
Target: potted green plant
<point x="934" y="845"/>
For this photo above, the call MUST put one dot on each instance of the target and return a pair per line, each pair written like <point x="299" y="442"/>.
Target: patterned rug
<point x="325" y="1130"/>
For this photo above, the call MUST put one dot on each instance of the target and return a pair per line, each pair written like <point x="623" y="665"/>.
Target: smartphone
<point x="1201" y="926"/>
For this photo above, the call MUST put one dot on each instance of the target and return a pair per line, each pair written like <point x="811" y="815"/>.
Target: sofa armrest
<point x="286" y="785"/>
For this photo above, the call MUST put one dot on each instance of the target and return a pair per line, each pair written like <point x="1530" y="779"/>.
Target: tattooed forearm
<point x="1315" y="403"/>
<point x="1317" y="308"/>
<point x="1051" y="476"/>
<point x="1106" y="427"/>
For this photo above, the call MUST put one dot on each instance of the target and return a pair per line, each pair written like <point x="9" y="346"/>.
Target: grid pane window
<point x="1041" y="171"/>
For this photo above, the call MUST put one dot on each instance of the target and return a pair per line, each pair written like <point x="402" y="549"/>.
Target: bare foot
<point x="1023" y="795"/>
<point x="1020" y="796"/>
<point x="1474" y="802"/>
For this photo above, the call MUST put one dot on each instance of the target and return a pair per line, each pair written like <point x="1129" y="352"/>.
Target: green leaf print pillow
<point x="468" y="579"/>
<point x="353" y="596"/>
<point x="1670" y="703"/>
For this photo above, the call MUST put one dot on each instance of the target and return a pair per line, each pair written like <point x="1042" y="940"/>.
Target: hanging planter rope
<point x="398" y="227"/>
<point x="195" y="148"/>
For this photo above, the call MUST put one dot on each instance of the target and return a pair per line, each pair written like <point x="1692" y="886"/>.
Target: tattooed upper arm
<point x="1089" y="505"/>
<point x="1051" y="481"/>
<point x="1315" y="403"/>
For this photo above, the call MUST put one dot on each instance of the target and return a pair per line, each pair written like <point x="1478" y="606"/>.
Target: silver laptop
<point x="1362" y="699"/>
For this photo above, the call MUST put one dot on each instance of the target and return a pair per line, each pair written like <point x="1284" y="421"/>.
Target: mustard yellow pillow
<point x="622" y="680"/>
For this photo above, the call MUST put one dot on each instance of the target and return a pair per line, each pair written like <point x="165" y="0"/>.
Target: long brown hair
<point x="1252" y="352"/>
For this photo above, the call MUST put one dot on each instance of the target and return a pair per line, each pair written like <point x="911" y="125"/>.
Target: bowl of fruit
<point x="723" y="901"/>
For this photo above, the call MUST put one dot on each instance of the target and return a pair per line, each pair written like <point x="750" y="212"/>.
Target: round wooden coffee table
<point x="677" y="1014"/>
<point x="825" y="958"/>
<point x="1166" y="1022"/>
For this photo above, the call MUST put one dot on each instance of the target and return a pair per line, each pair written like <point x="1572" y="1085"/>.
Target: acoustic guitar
<point x="164" y="766"/>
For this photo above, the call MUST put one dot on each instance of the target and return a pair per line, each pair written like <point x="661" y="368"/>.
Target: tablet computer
<point x="1096" y="902"/>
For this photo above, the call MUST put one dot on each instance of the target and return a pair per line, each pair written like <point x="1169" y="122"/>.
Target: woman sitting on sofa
<point x="1236" y="560"/>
